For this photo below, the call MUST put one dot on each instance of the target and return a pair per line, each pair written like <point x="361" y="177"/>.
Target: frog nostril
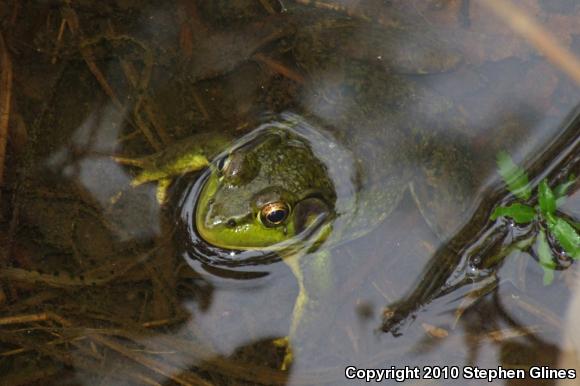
<point x="231" y="223"/>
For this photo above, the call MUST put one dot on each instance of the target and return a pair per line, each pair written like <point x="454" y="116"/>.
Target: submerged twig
<point x="79" y="360"/>
<point x="58" y="40"/>
<point x="536" y="35"/>
<point x="54" y="342"/>
<point x="5" y="254"/>
<point x="73" y="22"/>
<point x="5" y="99"/>
<point x="501" y="335"/>
<point x="200" y="104"/>
<point x="24" y="318"/>
<point x="96" y="277"/>
<point x="279" y="68"/>
<point x="182" y="377"/>
<point x="546" y="315"/>
<point x="267" y="6"/>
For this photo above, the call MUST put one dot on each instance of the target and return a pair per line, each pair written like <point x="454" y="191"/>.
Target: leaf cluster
<point x="544" y="213"/>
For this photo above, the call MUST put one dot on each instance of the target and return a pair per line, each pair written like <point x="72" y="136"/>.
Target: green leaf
<point x="550" y="219"/>
<point x="566" y="236"/>
<point x="548" y="276"/>
<point x="521" y="213"/>
<point x="561" y="189"/>
<point x="546" y="259"/>
<point x="546" y="198"/>
<point x="514" y="176"/>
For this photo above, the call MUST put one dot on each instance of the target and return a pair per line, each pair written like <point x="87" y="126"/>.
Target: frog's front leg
<point x="298" y="311"/>
<point x="163" y="166"/>
<point x="163" y="174"/>
<point x="308" y="314"/>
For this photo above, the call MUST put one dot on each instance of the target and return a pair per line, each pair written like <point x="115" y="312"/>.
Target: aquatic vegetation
<point x="549" y="225"/>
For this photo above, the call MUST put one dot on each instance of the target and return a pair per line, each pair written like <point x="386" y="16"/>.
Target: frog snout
<point x="220" y="221"/>
<point x="215" y="218"/>
<point x="225" y="222"/>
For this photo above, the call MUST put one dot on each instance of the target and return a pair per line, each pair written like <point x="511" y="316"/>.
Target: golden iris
<point x="274" y="213"/>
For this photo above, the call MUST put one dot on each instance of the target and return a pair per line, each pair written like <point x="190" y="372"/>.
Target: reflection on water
<point x="416" y="97"/>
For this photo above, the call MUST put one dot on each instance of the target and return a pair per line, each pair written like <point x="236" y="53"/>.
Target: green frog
<point x="300" y="184"/>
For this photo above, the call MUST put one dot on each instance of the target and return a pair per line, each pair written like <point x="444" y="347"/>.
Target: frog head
<point x="265" y="193"/>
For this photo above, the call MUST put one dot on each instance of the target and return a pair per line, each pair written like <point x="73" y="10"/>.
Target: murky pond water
<point x="269" y="192"/>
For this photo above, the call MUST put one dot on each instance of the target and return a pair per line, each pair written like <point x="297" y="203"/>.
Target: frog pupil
<point x="276" y="216"/>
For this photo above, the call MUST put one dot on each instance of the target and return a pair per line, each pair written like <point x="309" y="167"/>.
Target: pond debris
<point x="533" y="308"/>
<point x="71" y="19"/>
<point x="95" y="277"/>
<point x="73" y="23"/>
<point x="180" y="376"/>
<point x="58" y="43"/>
<point x="474" y="296"/>
<point x="44" y="316"/>
<point x="279" y="68"/>
<point x="141" y="84"/>
<point x="162" y="354"/>
<point x="200" y="103"/>
<point x="536" y="35"/>
<point x="499" y="336"/>
<point x="5" y="101"/>
<point x="267" y="6"/>
<point x="434" y="331"/>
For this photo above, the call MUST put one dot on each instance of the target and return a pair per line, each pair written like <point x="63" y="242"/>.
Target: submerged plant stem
<point x="5" y="100"/>
<point x="96" y="277"/>
<point x="279" y="68"/>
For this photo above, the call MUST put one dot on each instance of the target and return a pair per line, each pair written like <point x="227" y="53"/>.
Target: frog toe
<point x="143" y="176"/>
<point x="288" y="359"/>
<point x="162" y="190"/>
<point x="282" y="342"/>
<point x="138" y="162"/>
<point x="288" y="356"/>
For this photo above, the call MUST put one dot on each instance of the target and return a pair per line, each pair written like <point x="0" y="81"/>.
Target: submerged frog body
<point x="298" y="189"/>
<point x="300" y="184"/>
<point x="324" y="43"/>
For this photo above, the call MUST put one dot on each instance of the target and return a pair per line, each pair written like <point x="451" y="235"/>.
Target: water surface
<point x="94" y="287"/>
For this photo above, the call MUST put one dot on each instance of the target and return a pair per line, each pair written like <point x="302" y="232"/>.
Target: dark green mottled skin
<point x="277" y="163"/>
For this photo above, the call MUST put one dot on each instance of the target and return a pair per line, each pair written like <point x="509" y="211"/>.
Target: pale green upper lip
<point x="249" y="235"/>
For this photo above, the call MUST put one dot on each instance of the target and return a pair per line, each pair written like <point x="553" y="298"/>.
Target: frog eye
<point x="222" y="163"/>
<point x="274" y="213"/>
